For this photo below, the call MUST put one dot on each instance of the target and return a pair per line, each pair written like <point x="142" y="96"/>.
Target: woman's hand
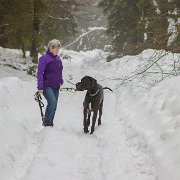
<point x="40" y="91"/>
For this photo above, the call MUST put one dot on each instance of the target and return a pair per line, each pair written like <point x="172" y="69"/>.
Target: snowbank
<point x="18" y="118"/>
<point x="156" y="114"/>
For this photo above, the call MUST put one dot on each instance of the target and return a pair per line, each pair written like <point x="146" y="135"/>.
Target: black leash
<point x="108" y="88"/>
<point x="99" y="90"/>
<point x="38" y="98"/>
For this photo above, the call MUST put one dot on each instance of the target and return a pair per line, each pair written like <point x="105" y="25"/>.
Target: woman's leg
<point x="51" y="106"/>
<point x="56" y="93"/>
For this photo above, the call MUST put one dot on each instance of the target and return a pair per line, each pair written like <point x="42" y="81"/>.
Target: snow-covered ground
<point x="138" y="138"/>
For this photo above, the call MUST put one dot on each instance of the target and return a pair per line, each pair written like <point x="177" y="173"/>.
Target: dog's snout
<point x="78" y="86"/>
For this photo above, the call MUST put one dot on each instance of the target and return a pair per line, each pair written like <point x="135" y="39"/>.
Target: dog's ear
<point x="94" y="81"/>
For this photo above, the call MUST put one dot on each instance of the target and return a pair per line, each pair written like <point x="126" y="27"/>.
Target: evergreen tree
<point x="139" y="24"/>
<point x="3" y="24"/>
<point x="60" y="22"/>
<point x="39" y="12"/>
<point x="19" y="20"/>
<point x="171" y="9"/>
<point x="30" y="24"/>
<point x="126" y="24"/>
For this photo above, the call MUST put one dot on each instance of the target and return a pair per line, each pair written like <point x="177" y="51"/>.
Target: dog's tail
<point x="108" y="88"/>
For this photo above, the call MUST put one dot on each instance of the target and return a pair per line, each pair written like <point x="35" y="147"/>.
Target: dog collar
<point x="94" y="93"/>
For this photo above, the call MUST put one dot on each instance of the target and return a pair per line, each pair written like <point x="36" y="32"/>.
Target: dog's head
<point x="86" y="83"/>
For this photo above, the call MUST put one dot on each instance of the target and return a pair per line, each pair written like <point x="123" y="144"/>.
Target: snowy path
<point x="115" y="150"/>
<point x="112" y="152"/>
<point x="22" y="166"/>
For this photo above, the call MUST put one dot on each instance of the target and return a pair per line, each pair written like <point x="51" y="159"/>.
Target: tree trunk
<point x="36" y="25"/>
<point x="3" y="36"/>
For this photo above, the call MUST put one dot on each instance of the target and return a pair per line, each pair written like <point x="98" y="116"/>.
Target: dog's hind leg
<point x="93" y="121"/>
<point x="100" y="113"/>
<point x="85" y="121"/>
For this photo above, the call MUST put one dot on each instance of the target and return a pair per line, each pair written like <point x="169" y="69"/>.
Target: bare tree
<point x="152" y="70"/>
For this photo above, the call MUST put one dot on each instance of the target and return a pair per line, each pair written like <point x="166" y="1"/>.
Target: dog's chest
<point x="93" y="103"/>
<point x="90" y="106"/>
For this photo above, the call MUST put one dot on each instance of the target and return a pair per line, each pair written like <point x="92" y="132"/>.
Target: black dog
<point x="93" y="101"/>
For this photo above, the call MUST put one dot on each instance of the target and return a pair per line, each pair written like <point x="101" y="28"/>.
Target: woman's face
<point x="55" y="50"/>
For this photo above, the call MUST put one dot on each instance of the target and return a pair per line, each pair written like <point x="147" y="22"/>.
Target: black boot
<point x="45" y="123"/>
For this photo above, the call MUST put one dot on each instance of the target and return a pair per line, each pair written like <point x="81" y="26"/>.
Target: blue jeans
<point x="51" y="95"/>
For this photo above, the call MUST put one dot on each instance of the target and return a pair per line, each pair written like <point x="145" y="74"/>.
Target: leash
<point x="68" y="89"/>
<point x="108" y="88"/>
<point x="38" y="98"/>
<point x="99" y="90"/>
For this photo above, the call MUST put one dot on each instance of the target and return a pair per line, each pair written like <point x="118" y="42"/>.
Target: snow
<point x="138" y="138"/>
<point x="158" y="11"/>
<point x="90" y="30"/>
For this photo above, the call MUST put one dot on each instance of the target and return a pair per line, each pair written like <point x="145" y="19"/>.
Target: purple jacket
<point x="49" y="71"/>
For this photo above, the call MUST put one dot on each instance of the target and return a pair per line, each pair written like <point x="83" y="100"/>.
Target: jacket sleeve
<point x="62" y="81"/>
<point x="41" y="67"/>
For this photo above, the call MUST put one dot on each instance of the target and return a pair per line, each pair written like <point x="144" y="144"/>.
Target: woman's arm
<point x="41" y="67"/>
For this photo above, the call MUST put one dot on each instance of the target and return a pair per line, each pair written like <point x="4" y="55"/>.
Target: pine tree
<point x="19" y="20"/>
<point x="140" y="24"/>
<point x="3" y="25"/>
<point x="173" y="15"/>
<point x="60" y="22"/>
<point x="30" y="24"/>
<point x="38" y="13"/>
<point x="52" y="19"/>
<point x="125" y="25"/>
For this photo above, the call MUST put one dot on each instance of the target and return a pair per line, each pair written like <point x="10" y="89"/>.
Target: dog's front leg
<point x="85" y="121"/>
<point x="88" y="119"/>
<point x="93" y="121"/>
<point x="100" y="113"/>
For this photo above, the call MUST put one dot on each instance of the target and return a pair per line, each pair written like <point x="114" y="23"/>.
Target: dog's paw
<point x="86" y="130"/>
<point x="92" y="130"/>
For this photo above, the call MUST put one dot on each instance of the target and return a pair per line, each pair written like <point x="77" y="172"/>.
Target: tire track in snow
<point x="140" y="151"/>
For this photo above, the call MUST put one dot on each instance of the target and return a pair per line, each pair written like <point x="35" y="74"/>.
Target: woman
<point x="49" y="79"/>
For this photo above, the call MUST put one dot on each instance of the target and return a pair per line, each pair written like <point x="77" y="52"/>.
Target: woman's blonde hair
<point x="54" y="43"/>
